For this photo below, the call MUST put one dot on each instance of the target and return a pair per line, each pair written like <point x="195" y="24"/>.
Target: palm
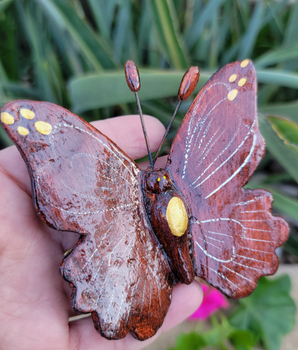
<point x="34" y="299"/>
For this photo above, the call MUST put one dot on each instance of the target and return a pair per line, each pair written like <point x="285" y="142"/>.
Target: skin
<point x="34" y="299"/>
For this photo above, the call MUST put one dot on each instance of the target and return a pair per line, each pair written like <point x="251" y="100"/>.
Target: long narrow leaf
<point x="285" y="129"/>
<point x="64" y="16"/>
<point x="98" y="10"/>
<point x="201" y="21"/>
<point x="280" y="55"/>
<point x="291" y="34"/>
<point x="252" y="31"/>
<point x="4" y="4"/>
<point x="274" y="76"/>
<point x="285" y="155"/>
<point x="109" y="89"/>
<point x="121" y="31"/>
<point x="41" y="68"/>
<point x="166" y="23"/>
<point x="288" y="110"/>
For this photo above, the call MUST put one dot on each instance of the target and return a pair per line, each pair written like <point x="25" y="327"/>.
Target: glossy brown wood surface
<point x="126" y="261"/>
<point x="157" y="195"/>
<point x="132" y="76"/>
<point x="217" y="148"/>
<point x="188" y="83"/>
<point x="83" y="182"/>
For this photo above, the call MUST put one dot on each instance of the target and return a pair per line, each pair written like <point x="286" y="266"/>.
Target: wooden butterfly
<point x="144" y="231"/>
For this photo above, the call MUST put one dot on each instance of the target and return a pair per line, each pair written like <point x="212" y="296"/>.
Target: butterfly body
<point x="127" y="258"/>
<point x="158" y="191"/>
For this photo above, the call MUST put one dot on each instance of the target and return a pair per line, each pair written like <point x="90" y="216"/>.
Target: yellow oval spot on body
<point x="23" y="131"/>
<point x="43" y="127"/>
<point x="158" y="179"/>
<point x="26" y="113"/>
<point x="7" y="118"/>
<point x="232" y="94"/>
<point x="242" y="81"/>
<point x="177" y="217"/>
<point x="164" y="177"/>
<point x="244" y="63"/>
<point x="232" y="78"/>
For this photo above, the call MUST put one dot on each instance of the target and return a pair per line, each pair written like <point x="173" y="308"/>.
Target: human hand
<point x="34" y="299"/>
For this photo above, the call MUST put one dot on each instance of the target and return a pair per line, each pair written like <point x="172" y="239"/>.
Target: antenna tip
<point x="188" y="83"/>
<point x="132" y="76"/>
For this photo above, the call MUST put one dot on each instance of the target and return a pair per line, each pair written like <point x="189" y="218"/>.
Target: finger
<point x="125" y="131"/>
<point x="185" y="300"/>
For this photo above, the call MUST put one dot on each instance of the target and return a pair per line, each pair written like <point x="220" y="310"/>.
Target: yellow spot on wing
<point x="164" y="177"/>
<point x="158" y="179"/>
<point x="43" y="127"/>
<point x="244" y="63"/>
<point x="232" y="78"/>
<point x="26" y="113"/>
<point x="242" y="81"/>
<point x="232" y="94"/>
<point x="177" y="217"/>
<point x="23" y="131"/>
<point x="7" y="118"/>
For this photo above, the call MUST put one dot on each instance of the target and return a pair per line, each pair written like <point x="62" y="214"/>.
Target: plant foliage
<point x="72" y="52"/>
<point x="262" y="318"/>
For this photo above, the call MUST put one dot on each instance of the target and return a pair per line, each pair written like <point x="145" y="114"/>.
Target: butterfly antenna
<point x="187" y="86"/>
<point x="134" y="83"/>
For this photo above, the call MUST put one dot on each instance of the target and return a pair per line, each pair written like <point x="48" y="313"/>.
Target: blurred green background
<point x="72" y="53"/>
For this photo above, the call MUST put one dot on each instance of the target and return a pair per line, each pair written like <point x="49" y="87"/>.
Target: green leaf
<point x="189" y="341"/>
<point x="285" y="129"/>
<point x="121" y="31"/>
<point x="39" y="50"/>
<point x="288" y="110"/>
<point x="220" y="332"/>
<point x="4" y="4"/>
<point x="287" y="156"/>
<point x="110" y="89"/>
<point x="280" y="55"/>
<point x="242" y="339"/>
<point x="252" y="31"/>
<point x="290" y="34"/>
<point x="284" y="204"/>
<point x="101" y="17"/>
<point x="166" y="22"/>
<point x="200" y="22"/>
<point x="274" y="76"/>
<point x="269" y="310"/>
<point x="98" y="56"/>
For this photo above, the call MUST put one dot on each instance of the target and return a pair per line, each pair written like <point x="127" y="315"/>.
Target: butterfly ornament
<point x="143" y="231"/>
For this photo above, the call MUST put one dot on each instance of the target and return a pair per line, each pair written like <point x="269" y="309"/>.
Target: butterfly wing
<point x="217" y="148"/>
<point x="83" y="182"/>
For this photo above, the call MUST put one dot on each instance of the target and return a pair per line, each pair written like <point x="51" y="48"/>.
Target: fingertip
<point x="127" y="133"/>
<point x="186" y="299"/>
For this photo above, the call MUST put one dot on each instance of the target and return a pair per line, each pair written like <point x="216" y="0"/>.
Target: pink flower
<point x="213" y="300"/>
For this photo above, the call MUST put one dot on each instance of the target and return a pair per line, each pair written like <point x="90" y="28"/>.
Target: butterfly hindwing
<point x="235" y="247"/>
<point x="83" y="182"/>
<point x="217" y="148"/>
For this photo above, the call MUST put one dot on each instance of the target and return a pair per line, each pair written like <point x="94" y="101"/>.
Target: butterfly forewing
<point x="83" y="182"/>
<point x="217" y="148"/>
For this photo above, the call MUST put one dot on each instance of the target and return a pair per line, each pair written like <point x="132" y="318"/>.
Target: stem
<point x="144" y="130"/>
<point x="167" y="131"/>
